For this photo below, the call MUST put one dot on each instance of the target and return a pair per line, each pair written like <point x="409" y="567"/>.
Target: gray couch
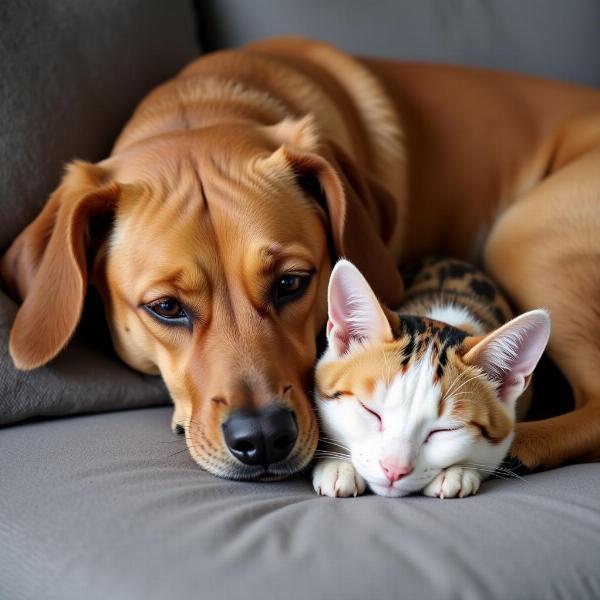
<point x="110" y="505"/>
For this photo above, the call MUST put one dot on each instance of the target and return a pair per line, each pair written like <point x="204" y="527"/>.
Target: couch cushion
<point x="112" y="506"/>
<point x="70" y="75"/>
<point x="86" y="377"/>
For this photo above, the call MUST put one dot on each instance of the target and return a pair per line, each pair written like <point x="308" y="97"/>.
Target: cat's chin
<point x="389" y="491"/>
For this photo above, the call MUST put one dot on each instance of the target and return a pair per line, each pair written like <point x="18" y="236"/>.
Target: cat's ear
<point x="510" y="353"/>
<point x="355" y="314"/>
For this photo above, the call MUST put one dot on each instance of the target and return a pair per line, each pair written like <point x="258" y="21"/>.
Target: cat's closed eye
<point x="441" y="430"/>
<point x="335" y="395"/>
<point x="371" y="411"/>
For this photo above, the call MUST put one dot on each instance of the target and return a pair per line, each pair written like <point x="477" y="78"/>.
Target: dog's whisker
<point x="179" y="452"/>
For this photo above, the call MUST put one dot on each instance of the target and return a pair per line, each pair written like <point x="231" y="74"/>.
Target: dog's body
<point x="234" y="183"/>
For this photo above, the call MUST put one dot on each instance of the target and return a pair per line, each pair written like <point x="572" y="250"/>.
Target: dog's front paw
<point x="454" y="482"/>
<point x="338" y="479"/>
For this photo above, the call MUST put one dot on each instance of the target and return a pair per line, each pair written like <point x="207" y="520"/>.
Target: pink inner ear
<point x="510" y="354"/>
<point x="338" y="338"/>
<point x="354" y="311"/>
<point x="341" y="341"/>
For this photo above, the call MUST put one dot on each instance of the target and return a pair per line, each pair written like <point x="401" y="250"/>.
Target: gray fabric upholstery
<point x="86" y="377"/>
<point x="111" y="505"/>
<point x="105" y="506"/>
<point x="545" y="37"/>
<point x="71" y="73"/>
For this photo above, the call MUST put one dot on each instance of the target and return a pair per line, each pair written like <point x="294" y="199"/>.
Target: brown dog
<point x="234" y="184"/>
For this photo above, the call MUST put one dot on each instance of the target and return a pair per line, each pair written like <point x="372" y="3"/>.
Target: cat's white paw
<point x="454" y="482"/>
<point x="337" y="478"/>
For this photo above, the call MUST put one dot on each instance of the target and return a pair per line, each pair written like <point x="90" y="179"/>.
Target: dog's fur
<point x="270" y="159"/>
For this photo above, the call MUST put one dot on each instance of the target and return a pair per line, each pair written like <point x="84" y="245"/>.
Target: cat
<point x="422" y="399"/>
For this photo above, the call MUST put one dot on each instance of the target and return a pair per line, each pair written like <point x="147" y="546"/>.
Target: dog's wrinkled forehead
<point x="232" y="173"/>
<point x="197" y="213"/>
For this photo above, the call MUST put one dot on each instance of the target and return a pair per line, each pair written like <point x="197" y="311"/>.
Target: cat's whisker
<point x="335" y="455"/>
<point x="332" y="452"/>
<point x="501" y="468"/>
<point x="451" y="392"/>
<point x="511" y="473"/>
<point x="465" y="393"/>
<point x="338" y="448"/>
<point x="327" y="440"/>
<point x="462" y="385"/>
<point x="460" y="377"/>
<point x="487" y="471"/>
<point x="459" y="382"/>
<point x="499" y="471"/>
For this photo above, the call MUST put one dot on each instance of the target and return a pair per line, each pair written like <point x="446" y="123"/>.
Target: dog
<point x="211" y="229"/>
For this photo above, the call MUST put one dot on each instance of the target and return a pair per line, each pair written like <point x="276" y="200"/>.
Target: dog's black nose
<point x="261" y="437"/>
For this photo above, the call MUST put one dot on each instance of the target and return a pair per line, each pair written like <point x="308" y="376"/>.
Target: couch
<point x="98" y="499"/>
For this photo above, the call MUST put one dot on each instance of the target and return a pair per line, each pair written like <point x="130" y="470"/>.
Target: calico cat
<point x="424" y="399"/>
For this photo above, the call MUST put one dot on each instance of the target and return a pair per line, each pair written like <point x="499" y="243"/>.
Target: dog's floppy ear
<point x="363" y="215"/>
<point x="46" y="265"/>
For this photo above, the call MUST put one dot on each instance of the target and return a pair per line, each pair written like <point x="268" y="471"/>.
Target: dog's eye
<point x="167" y="308"/>
<point x="290" y="287"/>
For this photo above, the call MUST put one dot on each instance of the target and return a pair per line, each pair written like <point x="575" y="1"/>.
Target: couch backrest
<point x="71" y="72"/>
<point x="555" y="38"/>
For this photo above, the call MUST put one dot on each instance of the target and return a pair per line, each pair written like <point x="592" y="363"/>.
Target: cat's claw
<point x="338" y="479"/>
<point x="454" y="482"/>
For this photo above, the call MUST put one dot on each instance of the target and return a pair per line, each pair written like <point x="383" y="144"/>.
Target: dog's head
<point x="212" y="251"/>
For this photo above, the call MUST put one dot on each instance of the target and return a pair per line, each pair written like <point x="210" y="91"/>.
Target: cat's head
<point x="411" y="396"/>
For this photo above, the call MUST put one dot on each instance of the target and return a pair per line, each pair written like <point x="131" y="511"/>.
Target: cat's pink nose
<point x="394" y="471"/>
